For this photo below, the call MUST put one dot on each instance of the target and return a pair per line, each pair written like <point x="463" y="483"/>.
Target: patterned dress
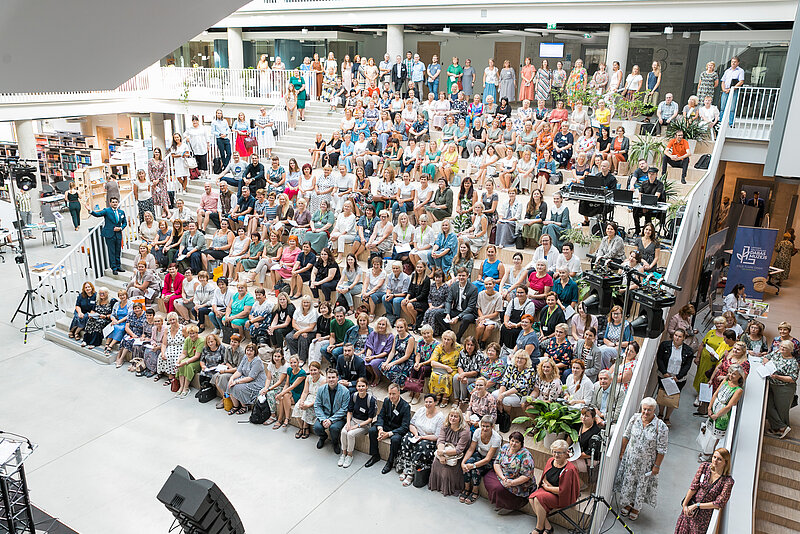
<point x="560" y="352"/>
<point x="136" y="325"/>
<point x="425" y="352"/>
<point x="157" y="172"/>
<point x="717" y="492"/>
<point x="441" y="381"/>
<point x="644" y="443"/>
<point x="93" y="335"/>
<point x="419" y="455"/>
<point x="706" y="85"/>
<point x="173" y="353"/>
<point x="577" y="79"/>
<point x="436" y="297"/>
<point x="492" y="372"/>
<point x="486" y="405"/>
<point x="307" y="415"/>
<point x="548" y="391"/>
<point x="512" y="465"/>
<point x="323" y="183"/>
<point x="247" y="392"/>
<point x="399" y="373"/>
<point x="543" y="80"/>
<point x="724" y="396"/>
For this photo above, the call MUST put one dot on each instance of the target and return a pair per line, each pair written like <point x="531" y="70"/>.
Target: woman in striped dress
<point x="543" y="80"/>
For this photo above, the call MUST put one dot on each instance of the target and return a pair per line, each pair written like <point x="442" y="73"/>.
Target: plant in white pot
<point x="581" y="240"/>
<point x="549" y="421"/>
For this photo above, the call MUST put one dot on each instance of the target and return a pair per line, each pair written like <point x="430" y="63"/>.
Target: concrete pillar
<point x="617" y="50"/>
<point x="394" y="41"/>
<point x="157" y="131"/>
<point x="236" y="48"/>
<point x="26" y="141"/>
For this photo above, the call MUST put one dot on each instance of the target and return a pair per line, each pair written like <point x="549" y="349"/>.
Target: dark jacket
<point x="394" y="420"/>
<point x="352" y="372"/>
<point x="663" y="354"/>
<point x="403" y="73"/>
<point x="256" y="173"/>
<point x="470" y="300"/>
<point x="111" y="218"/>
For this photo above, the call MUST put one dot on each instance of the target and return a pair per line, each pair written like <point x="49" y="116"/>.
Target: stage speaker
<point x="649" y="324"/>
<point x="199" y="506"/>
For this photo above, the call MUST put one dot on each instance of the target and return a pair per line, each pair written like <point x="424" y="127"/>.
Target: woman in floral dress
<point x="492" y="368"/>
<point x="157" y="172"/>
<point x="559" y="78"/>
<point x="513" y="462"/>
<point x="436" y="297"/>
<point x="398" y="366"/>
<point x="424" y="351"/>
<point x="578" y="79"/>
<point x="444" y="365"/>
<point x="712" y="486"/>
<point x="322" y="190"/>
<point x="644" y="445"/>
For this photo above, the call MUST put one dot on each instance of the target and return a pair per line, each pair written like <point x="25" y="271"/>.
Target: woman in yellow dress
<point x="444" y="365"/>
<point x="715" y="340"/>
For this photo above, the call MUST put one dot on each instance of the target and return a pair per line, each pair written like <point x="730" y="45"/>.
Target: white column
<point x="26" y="141"/>
<point x="617" y="50"/>
<point x="394" y="41"/>
<point x="157" y="131"/>
<point x="235" y="49"/>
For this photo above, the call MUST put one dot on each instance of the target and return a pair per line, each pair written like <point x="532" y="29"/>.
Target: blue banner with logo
<point x="752" y="252"/>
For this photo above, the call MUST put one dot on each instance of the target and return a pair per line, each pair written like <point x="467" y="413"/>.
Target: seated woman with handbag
<point x="419" y="444"/>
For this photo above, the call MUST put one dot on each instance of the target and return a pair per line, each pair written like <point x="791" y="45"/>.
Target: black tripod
<point x="584" y="526"/>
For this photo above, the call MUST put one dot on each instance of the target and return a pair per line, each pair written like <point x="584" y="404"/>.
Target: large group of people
<point x="274" y="257"/>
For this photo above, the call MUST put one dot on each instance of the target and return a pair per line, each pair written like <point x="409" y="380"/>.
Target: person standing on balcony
<point x="180" y="152"/>
<point x="417" y="74"/>
<point x="732" y="78"/>
<point x="316" y="67"/>
<point x="114" y="222"/>
<point x="491" y="78"/>
<point x="222" y="136"/>
<point x="468" y="78"/>
<point x="300" y="87"/>
<point x="434" y="71"/>
<point x="157" y="171"/>
<point x="197" y="137"/>
<point x="708" y="82"/>
<point x="653" y="83"/>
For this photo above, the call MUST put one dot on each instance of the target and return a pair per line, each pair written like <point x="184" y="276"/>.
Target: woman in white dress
<point x="347" y="73"/>
<point x="239" y="250"/>
<point x="264" y="125"/>
<point x="304" y="407"/>
<point x="440" y="110"/>
<point x="171" y="347"/>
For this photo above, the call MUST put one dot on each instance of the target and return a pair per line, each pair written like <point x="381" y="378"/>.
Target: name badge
<point x="395" y="412"/>
<point x="362" y="409"/>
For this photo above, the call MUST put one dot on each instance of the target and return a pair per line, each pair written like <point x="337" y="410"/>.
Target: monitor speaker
<point x="199" y="506"/>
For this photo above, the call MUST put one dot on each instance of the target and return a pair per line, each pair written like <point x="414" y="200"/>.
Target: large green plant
<point x="576" y="236"/>
<point x="691" y="129"/>
<point x="645" y="147"/>
<point x="550" y="418"/>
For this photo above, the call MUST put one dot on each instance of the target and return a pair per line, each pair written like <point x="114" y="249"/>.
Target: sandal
<point x="233" y="410"/>
<point x="471" y="498"/>
<point x="462" y="496"/>
<point x="276" y="426"/>
<point x="71" y="335"/>
<point x="285" y="424"/>
<point x="306" y="433"/>
<point x="633" y="515"/>
<point x="241" y="411"/>
<point x="298" y="434"/>
<point x="270" y="420"/>
<point x="443" y="404"/>
<point x="625" y="511"/>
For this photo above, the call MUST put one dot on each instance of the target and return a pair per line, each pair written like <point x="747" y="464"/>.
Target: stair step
<point x="779" y="475"/>
<point x="779" y="494"/>
<point x="777" y="513"/>
<point x="768" y="527"/>
<point x="60" y="337"/>
<point x="789" y="444"/>
<point x="781" y="456"/>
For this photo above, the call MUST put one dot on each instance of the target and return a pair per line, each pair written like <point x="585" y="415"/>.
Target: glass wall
<point x="200" y="53"/>
<point x="762" y="62"/>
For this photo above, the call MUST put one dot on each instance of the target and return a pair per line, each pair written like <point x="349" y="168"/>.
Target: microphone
<point x="663" y="282"/>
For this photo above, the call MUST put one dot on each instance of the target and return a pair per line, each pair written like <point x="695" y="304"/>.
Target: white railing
<point x="235" y="86"/>
<point x="689" y="233"/>
<point x="754" y="113"/>
<point x="86" y="261"/>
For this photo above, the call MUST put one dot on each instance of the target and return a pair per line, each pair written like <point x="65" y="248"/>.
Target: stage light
<point x="199" y="506"/>
<point x="25" y="176"/>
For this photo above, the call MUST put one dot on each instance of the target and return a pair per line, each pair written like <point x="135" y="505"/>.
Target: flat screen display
<point x="551" y="50"/>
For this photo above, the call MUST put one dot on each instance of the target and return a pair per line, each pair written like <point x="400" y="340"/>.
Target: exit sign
<point x="551" y="25"/>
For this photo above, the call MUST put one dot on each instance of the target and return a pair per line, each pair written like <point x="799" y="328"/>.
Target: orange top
<point x="678" y="148"/>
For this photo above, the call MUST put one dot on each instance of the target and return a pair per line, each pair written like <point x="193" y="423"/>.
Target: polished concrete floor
<point x="107" y="442"/>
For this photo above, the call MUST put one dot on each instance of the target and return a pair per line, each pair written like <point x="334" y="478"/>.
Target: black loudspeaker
<point x="199" y="506"/>
<point x="649" y="324"/>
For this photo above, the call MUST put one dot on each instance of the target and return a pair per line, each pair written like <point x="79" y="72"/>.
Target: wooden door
<point x="507" y="51"/>
<point x="104" y="133"/>
<point x="428" y="49"/>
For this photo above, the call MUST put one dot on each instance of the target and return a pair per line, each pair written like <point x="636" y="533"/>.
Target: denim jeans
<point x="724" y="99"/>
<point x="433" y="87"/>
<point x="393" y="307"/>
<point x="224" y="146"/>
<point x="405" y="207"/>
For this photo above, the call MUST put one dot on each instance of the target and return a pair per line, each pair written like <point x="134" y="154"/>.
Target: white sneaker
<point x="348" y="460"/>
<point x="341" y="460"/>
<point x="785" y="432"/>
<point x="696" y="402"/>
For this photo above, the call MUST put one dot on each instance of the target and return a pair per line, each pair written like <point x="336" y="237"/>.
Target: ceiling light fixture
<point x="304" y="31"/>
<point x="446" y="29"/>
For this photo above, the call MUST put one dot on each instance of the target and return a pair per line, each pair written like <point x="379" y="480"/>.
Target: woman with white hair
<point x="558" y="488"/>
<point x="644" y="445"/>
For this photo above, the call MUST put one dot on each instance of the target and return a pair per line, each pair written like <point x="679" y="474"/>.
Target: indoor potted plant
<point x="648" y="148"/>
<point x="548" y="421"/>
<point x="577" y="237"/>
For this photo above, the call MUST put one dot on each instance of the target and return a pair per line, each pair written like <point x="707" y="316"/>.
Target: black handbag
<point x="206" y="394"/>
<point x="520" y="242"/>
<point x="503" y="421"/>
<point x="421" y="477"/>
<point x="275" y="132"/>
<point x="260" y="413"/>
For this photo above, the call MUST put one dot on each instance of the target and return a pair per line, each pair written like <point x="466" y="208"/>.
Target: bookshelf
<point x="61" y="154"/>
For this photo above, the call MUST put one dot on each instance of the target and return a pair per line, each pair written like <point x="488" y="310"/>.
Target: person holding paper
<point x="674" y="359"/>
<point x="134" y="326"/>
<point x="782" y="387"/>
<point x="419" y="445"/>
<point x="738" y="355"/>
<point x="709" y="357"/>
<point x="719" y="409"/>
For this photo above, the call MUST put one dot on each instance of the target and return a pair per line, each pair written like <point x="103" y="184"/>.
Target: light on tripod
<point x="25" y="176"/>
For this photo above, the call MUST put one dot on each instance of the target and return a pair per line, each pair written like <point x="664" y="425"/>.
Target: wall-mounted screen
<point x="551" y="50"/>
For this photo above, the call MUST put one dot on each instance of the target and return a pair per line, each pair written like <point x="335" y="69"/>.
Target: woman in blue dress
<point x="119" y="317"/>
<point x="492" y="266"/>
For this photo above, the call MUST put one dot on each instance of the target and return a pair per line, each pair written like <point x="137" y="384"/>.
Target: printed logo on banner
<point x="752" y="252"/>
<point x="750" y="255"/>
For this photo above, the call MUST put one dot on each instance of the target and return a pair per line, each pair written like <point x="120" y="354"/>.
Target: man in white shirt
<point x="385" y="68"/>
<point x="568" y="259"/>
<point x="732" y="78"/>
<point x="182" y="213"/>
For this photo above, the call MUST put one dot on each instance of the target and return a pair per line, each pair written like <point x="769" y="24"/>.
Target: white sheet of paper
<point x="670" y="386"/>
<point x="403" y="248"/>
<point x="137" y="342"/>
<point x="706" y="392"/>
<point x="221" y="367"/>
<point x="413" y="439"/>
<point x="767" y="369"/>
<point x="713" y="353"/>
<point x="181" y="257"/>
<point x="107" y="330"/>
<point x="276" y="267"/>
<point x="569" y="311"/>
<point x="574" y="452"/>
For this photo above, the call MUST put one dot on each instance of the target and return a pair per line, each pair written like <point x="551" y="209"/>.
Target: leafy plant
<point x="576" y="237"/>
<point x="550" y="418"/>
<point x="690" y="129"/>
<point x="645" y="147"/>
<point x="673" y="208"/>
<point x="670" y="188"/>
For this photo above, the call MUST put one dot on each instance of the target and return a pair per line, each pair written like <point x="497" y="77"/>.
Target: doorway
<point x="428" y="49"/>
<point x="507" y="51"/>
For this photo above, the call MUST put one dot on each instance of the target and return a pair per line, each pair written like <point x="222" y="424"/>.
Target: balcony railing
<point x="754" y="113"/>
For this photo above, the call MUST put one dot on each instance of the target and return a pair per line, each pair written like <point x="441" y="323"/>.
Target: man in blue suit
<point x="330" y="407"/>
<point x="114" y="222"/>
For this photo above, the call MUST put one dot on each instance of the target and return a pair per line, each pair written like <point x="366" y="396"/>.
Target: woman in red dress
<point x="558" y="488"/>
